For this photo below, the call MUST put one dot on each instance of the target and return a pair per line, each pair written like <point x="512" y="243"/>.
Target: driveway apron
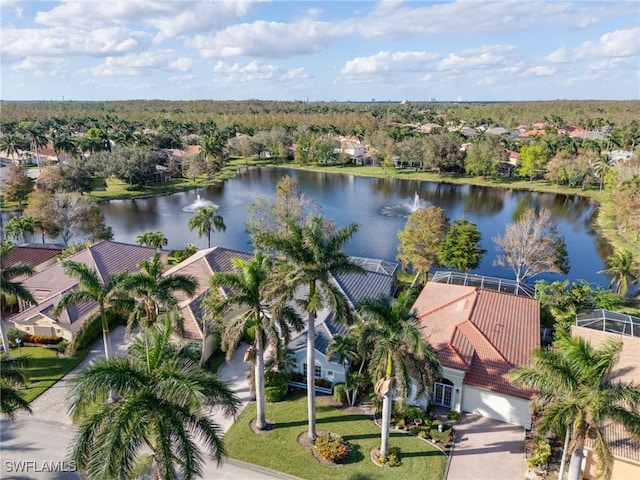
<point x="486" y="449"/>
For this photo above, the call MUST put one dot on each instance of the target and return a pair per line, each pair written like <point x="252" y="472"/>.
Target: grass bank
<point x="279" y="450"/>
<point x="46" y="368"/>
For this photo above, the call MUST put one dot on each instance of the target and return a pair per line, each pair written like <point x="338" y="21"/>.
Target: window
<point x="304" y="369"/>
<point x="330" y="373"/>
<point x="317" y="371"/>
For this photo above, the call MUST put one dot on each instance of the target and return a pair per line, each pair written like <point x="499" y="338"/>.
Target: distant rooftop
<point x="376" y="265"/>
<point x="612" y="322"/>
<point x="488" y="283"/>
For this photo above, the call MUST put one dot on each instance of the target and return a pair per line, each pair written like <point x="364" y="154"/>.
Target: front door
<point x="442" y="394"/>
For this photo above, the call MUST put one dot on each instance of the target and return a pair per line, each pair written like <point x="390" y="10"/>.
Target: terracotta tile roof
<point x="32" y="255"/>
<point x="483" y="332"/>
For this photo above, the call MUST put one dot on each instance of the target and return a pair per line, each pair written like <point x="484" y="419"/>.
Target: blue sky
<point x="474" y="50"/>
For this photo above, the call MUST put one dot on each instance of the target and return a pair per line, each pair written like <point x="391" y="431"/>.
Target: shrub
<point x="275" y="393"/>
<point x="297" y="377"/>
<point x="91" y="331"/>
<point x="12" y="334"/>
<point x="321" y="382"/>
<point x="276" y="379"/>
<point x="541" y="456"/>
<point x="412" y="412"/>
<point x="453" y="415"/>
<point x="63" y="346"/>
<point x="391" y="459"/>
<point x="41" y="339"/>
<point x="332" y="447"/>
<point x="340" y="393"/>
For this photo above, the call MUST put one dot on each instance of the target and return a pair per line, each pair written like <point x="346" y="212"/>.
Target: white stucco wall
<point x="500" y="407"/>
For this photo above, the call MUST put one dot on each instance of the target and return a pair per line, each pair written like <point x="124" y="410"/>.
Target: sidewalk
<point x="42" y="439"/>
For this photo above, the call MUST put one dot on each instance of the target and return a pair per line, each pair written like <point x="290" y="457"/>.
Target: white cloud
<point x="464" y="17"/>
<point x="481" y="57"/>
<point x="620" y="43"/>
<point x="60" y="41"/>
<point x="42" y="67"/>
<point x="561" y="55"/>
<point x="539" y="71"/>
<point x="254" y="72"/>
<point x="264" y="39"/>
<point x="170" y="18"/>
<point x="386" y="62"/>
<point x="141" y="63"/>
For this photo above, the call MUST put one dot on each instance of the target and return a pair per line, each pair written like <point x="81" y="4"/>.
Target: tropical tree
<point x="575" y="392"/>
<point x="156" y="240"/>
<point x="421" y="239"/>
<point x="345" y="347"/>
<point x="21" y="227"/>
<point x="309" y="255"/>
<point x="154" y="292"/>
<point x="206" y="220"/>
<point x="268" y="323"/>
<point x="163" y="397"/>
<point x="460" y="248"/>
<point x="17" y="185"/>
<point x="13" y="374"/>
<point x="400" y="357"/>
<point x="8" y="286"/>
<point x="532" y="245"/>
<point x="108" y="293"/>
<point x="10" y="143"/>
<point x="37" y="137"/>
<point x="623" y="271"/>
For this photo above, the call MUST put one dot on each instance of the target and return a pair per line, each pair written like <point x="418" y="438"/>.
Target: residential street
<point x="36" y="446"/>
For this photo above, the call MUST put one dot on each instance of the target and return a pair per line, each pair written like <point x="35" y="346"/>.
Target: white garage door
<point x="497" y="406"/>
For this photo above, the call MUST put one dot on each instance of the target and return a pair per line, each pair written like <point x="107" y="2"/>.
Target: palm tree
<point x="345" y="347"/>
<point x="156" y="240"/>
<point x="310" y="255"/>
<point x="205" y="220"/>
<point x="21" y="228"/>
<point x="247" y="287"/>
<point x="10" y="144"/>
<point x="10" y="287"/>
<point x="575" y="391"/>
<point x="620" y="266"/>
<point x="163" y="396"/>
<point x="109" y="294"/>
<point x="154" y="291"/>
<point x="399" y="355"/>
<point x="12" y="375"/>
<point x="37" y="137"/>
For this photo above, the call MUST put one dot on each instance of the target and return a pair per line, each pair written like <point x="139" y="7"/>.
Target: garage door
<point x="497" y="406"/>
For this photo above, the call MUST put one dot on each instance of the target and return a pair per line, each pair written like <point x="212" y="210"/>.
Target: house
<point x="379" y="278"/>
<point x="480" y="334"/>
<point x="201" y="265"/>
<point x="597" y="327"/>
<point x="354" y="149"/>
<point x="48" y="286"/>
<point x="37" y="255"/>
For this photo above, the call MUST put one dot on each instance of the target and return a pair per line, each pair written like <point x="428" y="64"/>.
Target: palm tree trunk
<point x="259" y="377"/>
<point x="575" y="463"/>
<point x="311" y="382"/>
<point x="564" y="453"/>
<point x="5" y="338"/>
<point x="386" y="424"/>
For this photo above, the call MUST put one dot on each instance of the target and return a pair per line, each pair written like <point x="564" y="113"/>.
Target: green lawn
<point x="46" y="368"/>
<point x="279" y="448"/>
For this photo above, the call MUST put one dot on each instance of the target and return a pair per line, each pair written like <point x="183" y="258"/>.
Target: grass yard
<point x="279" y="448"/>
<point x="46" y="368"/>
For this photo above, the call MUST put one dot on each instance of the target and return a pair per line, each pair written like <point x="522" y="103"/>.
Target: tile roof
<point x="483" y="332"/>
<point x="32" y="254"/>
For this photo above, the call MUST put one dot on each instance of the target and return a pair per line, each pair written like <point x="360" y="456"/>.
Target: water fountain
<point x="405" y="209"/>
<point x="199" y="202"/>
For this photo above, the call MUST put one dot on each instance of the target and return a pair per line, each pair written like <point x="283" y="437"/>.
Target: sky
<point x="389" y="50"/>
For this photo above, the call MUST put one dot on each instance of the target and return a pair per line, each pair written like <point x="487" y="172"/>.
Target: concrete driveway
<point x="36" y="446"/>
<point x="487" y="449"/>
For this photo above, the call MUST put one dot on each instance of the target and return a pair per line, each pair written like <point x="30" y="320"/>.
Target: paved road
<point x="34" y="447"/>
<point x="486" y="449"/>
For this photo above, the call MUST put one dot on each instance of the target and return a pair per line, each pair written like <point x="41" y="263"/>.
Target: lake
<point x="378" y="205"/>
